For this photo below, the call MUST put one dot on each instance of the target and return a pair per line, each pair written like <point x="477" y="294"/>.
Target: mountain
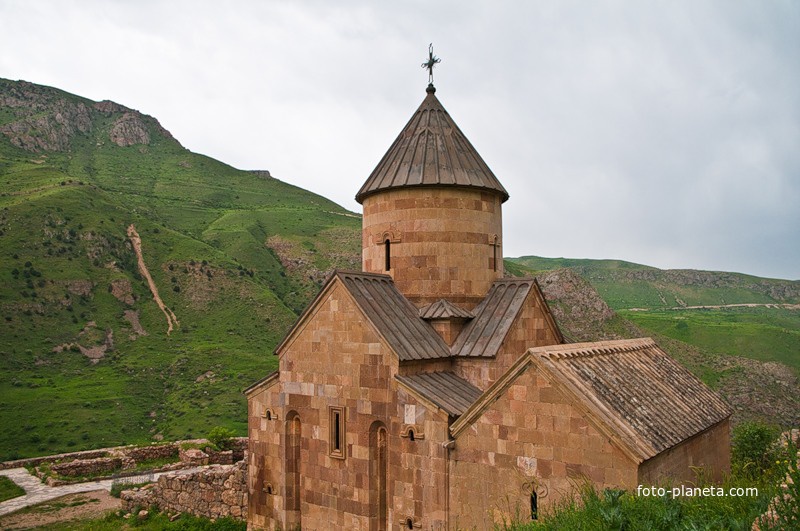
<point x="85" y="355"/>
<point x="739" y="333"/>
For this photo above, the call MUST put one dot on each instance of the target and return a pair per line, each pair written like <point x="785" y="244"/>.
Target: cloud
<point x="664" y="133"/>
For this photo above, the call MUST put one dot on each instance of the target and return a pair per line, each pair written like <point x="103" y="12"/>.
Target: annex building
<point x="427" y="391"/>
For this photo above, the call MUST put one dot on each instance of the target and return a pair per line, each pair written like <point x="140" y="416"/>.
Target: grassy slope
<point x="203" y="226"/>
<point x="761" y="333"/>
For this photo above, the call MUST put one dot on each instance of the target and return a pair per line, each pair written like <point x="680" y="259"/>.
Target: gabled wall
<point x="531" y="437"/>
<point x="531" y="328"/>
<point x="336" y="358"/>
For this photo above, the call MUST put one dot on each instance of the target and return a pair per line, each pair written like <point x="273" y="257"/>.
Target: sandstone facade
<point x="428" y="392"/>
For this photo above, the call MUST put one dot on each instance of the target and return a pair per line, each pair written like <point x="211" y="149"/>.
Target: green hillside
<point x="727" y="313"/>
<point x="74" y="371"/>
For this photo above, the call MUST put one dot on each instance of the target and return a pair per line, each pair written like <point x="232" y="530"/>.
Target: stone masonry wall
<point x="87" y="467"/>
<point x="709" y="450"/>
<point x="531" y="438"/>
<point x="216" y="492"/>
<point x="442" y="242"/>
<point x="339" y="492"/>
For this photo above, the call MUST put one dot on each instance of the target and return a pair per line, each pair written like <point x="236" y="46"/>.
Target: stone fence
<point x="88" y="467"/>
<point x="215" y="492"/>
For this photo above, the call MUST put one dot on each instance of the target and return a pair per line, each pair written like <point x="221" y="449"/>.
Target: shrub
<point x="221" y="437"/>
<point x="754" y="449"/>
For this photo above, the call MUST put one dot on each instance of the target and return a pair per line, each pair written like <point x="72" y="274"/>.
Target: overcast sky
<point x="660" y="132"/>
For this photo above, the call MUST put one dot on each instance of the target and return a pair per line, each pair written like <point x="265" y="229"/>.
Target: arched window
<point x="534" y="506"/>
<point x="378" y="462"/>
<point x="388" y="253"/>
<point x="292" y="471"/>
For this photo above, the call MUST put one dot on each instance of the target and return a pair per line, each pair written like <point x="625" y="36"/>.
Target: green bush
<point x="754" y="449"/>
<point x="221" y="437"/>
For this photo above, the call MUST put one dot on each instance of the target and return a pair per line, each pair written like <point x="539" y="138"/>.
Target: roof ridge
<point x="444" y="309"/>
<point x="353" y="273"/>
<point x="591" y="349"/>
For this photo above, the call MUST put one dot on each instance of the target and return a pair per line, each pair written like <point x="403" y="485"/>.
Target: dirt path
<point x="172" y="321"/>
<point x="80" y="506"/>
<point x="720" y="306"/>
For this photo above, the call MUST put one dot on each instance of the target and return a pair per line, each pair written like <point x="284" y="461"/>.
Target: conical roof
<point x="431" y="151"/>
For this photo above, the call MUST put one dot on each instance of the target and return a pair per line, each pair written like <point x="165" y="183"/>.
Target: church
<point x="428" y="391"/>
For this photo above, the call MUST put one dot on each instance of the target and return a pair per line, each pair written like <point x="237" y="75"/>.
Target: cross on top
<point x="429" y="64"/>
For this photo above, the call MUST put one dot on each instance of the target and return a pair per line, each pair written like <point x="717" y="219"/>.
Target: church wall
<point x="441" y="242"/>
<point x="529" y="329"/>
<point x="710" y="450"/>
<point x="419" y="469"/>
<point x="531" y="437"/>
<point x="264" y="461"/>
<point x="337" y="359"/>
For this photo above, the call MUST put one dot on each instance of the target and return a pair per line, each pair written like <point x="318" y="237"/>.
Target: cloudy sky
<point x="659" y="132"/>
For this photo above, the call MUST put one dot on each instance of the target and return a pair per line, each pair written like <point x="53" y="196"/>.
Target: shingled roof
<point x="431" y="151"/>
<point x="484" y="334"/>
<point x="448" y="391"/>
<point x="637" y="389"/>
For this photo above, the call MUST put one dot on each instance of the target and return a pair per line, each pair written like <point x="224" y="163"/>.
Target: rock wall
<point x="216" y="492"/>
<point x="87" y="467"/>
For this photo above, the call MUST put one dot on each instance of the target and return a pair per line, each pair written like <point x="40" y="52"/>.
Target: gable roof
<point x="390" y="313"/>
<point x="450" y="392"/>
<point x="263" y="383"/>
<point x="444" y="309"/>
<point x="636" y="387"/>
<point x="431" y="151"/>
<point x="494" y="316"/>
<point x="636" y="394"/>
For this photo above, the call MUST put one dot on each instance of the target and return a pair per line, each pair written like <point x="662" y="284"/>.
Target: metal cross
<point x="429" y="64"/>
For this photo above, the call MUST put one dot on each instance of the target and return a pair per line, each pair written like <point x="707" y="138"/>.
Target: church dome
<point x="431" y="151"/>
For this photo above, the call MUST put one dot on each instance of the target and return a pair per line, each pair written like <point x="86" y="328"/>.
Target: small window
<point x="388" y="252"/>
<point x="337" y="433"/>
<point x="494" y="253"/>
<point x="269" y="415"/>
<point x="410" y="435"/>
<point x="534" y="507"/>
<point x="268" y="488"/>
<point x="409" y="523"/>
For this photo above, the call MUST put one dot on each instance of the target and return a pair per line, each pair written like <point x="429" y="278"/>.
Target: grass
<point x="591" y="510"/>
<point x="152" y="522"/>
<point x="765" y="334"/>
<point x="9" y="489"/>
<point x="204" y="227"/>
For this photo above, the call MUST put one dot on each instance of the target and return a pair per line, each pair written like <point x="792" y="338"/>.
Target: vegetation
<point x="765" y="334"/>
<point x="71" y="283"/>
<point x="758" y="462"/>
<point x="154" y="521"/>
<point x="220" y="437"/>
<point x="660" y="302"/>
<point x="9" y="489"/>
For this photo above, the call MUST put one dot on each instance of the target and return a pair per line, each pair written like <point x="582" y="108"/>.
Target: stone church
<point x="429" y="392"/>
